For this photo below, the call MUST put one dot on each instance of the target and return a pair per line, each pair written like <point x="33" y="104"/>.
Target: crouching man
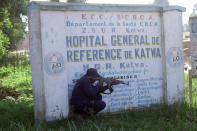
<point x="86" y="98"/>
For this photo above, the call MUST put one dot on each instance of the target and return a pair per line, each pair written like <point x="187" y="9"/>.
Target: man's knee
<point x="102" y="105"/>
<point x="98" y="106"/>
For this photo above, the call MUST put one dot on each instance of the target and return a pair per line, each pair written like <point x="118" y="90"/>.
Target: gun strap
<point x="110" y="89"/>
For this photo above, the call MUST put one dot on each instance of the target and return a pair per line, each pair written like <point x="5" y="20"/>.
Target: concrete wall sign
<point x="131" y="43"/>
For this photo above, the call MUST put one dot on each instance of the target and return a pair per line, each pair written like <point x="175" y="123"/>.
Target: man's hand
<point x="100" y="84"/>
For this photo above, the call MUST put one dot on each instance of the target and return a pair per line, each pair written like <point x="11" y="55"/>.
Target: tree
<point x="161" y="2"/>
<point x="4" y="43"/>
<point x="71" y="1"/>
<point x="194" y="13"/>
<point x="77" y="1"/>
<point x="11" y="25"/>
<point x="54" y="0"/>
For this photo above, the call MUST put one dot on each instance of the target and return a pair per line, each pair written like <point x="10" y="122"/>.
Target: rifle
<point x="109" y="81"/>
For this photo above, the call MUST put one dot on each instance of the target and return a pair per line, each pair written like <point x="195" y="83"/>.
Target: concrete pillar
<point x="174" y="56"/>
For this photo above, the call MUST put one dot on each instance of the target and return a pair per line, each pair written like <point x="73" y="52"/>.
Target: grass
<point x="12" y="113"/>
<point x="194" y="90"/>
<point x="19" y="115"/>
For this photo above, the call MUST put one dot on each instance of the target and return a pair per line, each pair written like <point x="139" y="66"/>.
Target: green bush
<point x="20" y="79"/>
<point x="4" y="44"/>
<point x="17" y="75"/>
<point x="5" y="71"/>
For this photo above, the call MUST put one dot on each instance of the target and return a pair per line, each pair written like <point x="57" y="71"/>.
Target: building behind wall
<point x="186" y="51"/>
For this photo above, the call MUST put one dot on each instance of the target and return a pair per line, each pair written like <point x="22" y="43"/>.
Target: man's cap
<point x="92" y="72"/>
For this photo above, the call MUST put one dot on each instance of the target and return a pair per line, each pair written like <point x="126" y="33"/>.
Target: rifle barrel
<point x="125" y="83"/>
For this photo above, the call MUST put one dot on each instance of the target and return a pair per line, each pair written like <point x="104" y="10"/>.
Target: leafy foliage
<point x="161" y="2"/>
<point x="4" y="44"/>
<point x="11" y="23"/>
<point x="54" y="0"/>
<point x="17" y="77"/>
<point x="77" y="1"/>
<point x="20" y="79"/>
<point x="194" y="12"/>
